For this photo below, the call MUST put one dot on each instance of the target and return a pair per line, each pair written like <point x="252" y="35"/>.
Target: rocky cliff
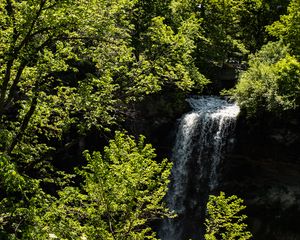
<point x="264" y="170"/>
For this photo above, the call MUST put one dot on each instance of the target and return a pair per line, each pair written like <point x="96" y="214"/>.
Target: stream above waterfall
<point x="201" y="140"/>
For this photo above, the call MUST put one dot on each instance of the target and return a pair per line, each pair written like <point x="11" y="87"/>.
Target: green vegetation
<point x="288" y="27"/>
<point x="121" y="194"/>
<point x="73" y="68"/>
<point x="224" y="220"/>
<point x="68" y="69"/>
<point x="272" y="81"/>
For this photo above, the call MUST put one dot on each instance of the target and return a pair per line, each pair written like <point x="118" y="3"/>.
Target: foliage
<point x="76" y="58"/>
<point x="163" y="50"/>
<point x="224" y="220"/>
<point x="20" y="196"/>
<point x="271" y="82"/>
<point x="66" y="68"/>
<point x="255" y="17"/>
<point x="166" y="45"/>
<point x="288" y="27"/>
<point x="231" y="29"/>
<point x="70" y="67"/>
<point x="43" y="40"/>
<point x="120" y="196"/>
<point x="222" y="30"/>
<point x="40" y="43"/>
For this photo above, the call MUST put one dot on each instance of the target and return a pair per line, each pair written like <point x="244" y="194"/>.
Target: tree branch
<point x="15" y="50"/>
<point x="29" y="33"/>
<point x="13" y="88"/>
<point x="5" y="83"/>
<point x="24" y="125"/>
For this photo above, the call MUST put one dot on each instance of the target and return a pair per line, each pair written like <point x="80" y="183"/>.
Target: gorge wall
<point x="264" y="170"/>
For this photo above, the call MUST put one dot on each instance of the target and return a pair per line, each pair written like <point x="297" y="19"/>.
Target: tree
<point x="120" y="197"/>
<point x="68" y="68"/>
<point x="76" y="58"/>
<point x="43" y="41"/>
<point x="256" y="16"/>
<point x="44" y="47"/>
<point x="163" y="49"/>
<point x="288" y="27"/>
<point x="170" y="55"/>
<point x="230" y="29"/>
<point x="20" y="197"/>
<point x="222" y="30"/>
<point x="224" y="220"/>
<point x="271" y="83"/>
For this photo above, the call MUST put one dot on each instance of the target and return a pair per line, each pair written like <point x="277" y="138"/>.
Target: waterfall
<point x="201" y="140"/>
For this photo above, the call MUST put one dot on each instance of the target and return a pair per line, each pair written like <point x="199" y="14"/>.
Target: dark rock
<point x="264" y="170"/>
<point x="156" y="117"/>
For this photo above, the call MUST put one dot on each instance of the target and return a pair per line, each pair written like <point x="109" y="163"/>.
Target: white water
<point x="197" y="154"/>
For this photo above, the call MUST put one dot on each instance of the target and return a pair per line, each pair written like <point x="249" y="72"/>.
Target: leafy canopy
<point x="120" y="196"/>
<point x="66" y="69"/>
<point x="288" y="27"/>
<point x="224" y="220"/>
<point x="271" y="83"/>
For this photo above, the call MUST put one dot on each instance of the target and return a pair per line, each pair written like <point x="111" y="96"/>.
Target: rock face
<point x="155" y="117"/>
<point x="264" y="170"/>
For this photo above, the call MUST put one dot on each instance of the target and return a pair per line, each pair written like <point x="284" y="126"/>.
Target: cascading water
<point x="200" y="142"/>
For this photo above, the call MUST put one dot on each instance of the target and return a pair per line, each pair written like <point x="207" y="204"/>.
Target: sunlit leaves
<point x="271" y="83"/>
<point x="122" y="193"/>
<point x="128" y="185"/>
<point x="224" y="219"/>
<point x="288" y="27"/>
<point x="221" y="30"/>
<point x="170" y="53"/>
<point x="96" y="103"/>
<point x="13" y="214"/>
